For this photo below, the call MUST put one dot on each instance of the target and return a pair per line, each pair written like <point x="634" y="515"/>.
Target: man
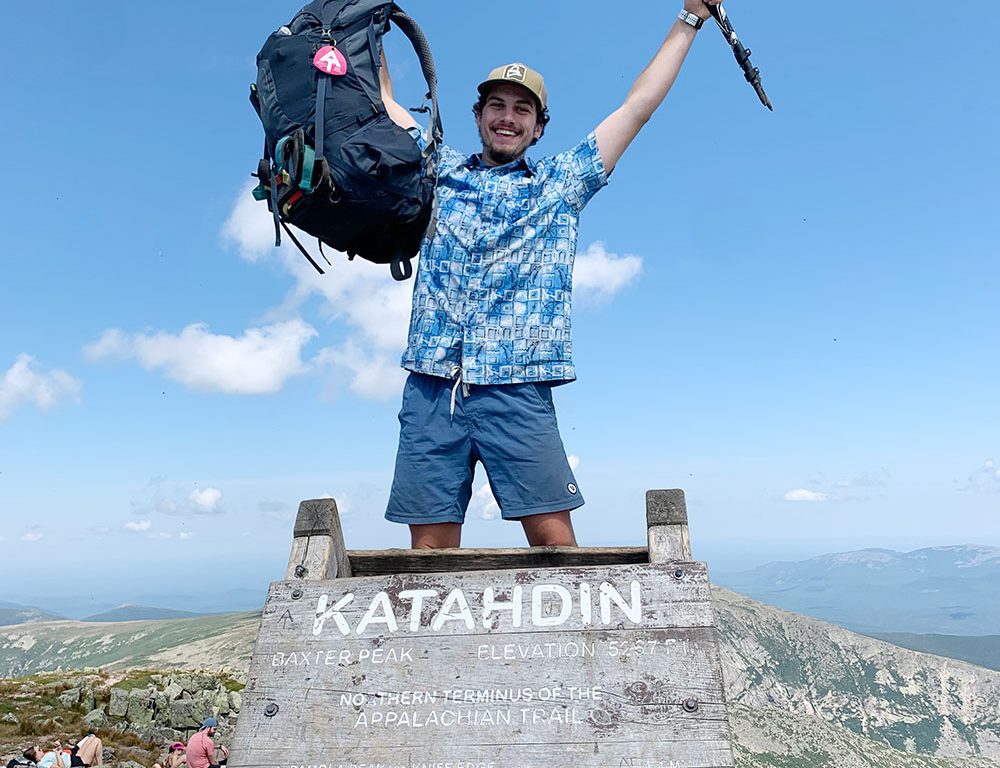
<point x="201" y="748"/>
<point x="490" y="326"/>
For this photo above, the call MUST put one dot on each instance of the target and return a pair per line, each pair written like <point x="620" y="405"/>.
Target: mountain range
<point x="940" y="590"/>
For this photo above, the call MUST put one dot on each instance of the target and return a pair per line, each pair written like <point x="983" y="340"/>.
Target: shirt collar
<point x="526" y="164"/>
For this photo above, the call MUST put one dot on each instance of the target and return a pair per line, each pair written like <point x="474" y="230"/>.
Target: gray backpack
<point x="335" y="165"/>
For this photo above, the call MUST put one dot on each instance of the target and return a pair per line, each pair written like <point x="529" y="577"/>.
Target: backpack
<point x="335" y="165"/>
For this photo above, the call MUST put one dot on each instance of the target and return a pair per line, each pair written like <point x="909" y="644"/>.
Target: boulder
<point x="173" y="690"/>
<point x="221" y="702"/>
<point x="140" y="705"/>
<point x="129" y="764"/>
<point x="95" y="719"/>
<point x="118" y="706"/>
<point x="70" y="698"/>
<point x="183" y="716"/>
<point x="87" y="699"/>
<point x="11" y="718"/>
<point x="235" y="701"/>
<point x="193" y="682"/>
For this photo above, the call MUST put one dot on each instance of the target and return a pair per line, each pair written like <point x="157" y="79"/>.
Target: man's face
<point x="38" y="754"/>
<point x="508" y="123"/>
<point x="211" y="731"/>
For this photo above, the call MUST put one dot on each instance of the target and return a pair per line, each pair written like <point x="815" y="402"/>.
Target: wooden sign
<point x="603" y="667"/>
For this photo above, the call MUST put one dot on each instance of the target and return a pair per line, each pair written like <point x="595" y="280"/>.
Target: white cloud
<point x="986" y="478"/>
<point x="32" y="536"/>
<point x="250" y="226"/>
<point x="574" y="462"/>
<point x="185" y="536"/>
<point x="258" y="362"/>
<point x="599" y="275"/>
<point x="484" y="504"/>
<point x="137" y="526"/>
<point x="801" y="494"/>
<point x="371" y="374"/>
<point x="178" y="501"/>
<point x="206" y="500"/>
<point x="374" y="308"/>
<point x="873" y="479"/>
<point x="24" y="383"/>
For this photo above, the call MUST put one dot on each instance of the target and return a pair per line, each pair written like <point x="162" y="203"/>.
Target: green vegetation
<point x="807" y="759"/>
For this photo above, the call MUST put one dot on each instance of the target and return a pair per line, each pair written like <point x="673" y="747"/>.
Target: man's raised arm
<point x="618" y="129"/>
<point x="399" y="115"/>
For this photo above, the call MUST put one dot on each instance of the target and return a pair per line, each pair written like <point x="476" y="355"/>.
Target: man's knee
<point x="436" y="536"/>
<point x="551" y="529"/>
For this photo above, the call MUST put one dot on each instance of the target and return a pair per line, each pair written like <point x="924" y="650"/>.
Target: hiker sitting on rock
<point x="201" y="748"/>
<point x="175" y="758"/>
<point x="489" y="333"/>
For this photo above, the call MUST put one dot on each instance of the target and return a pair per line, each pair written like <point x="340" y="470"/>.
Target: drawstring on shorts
<point x="456" y="373"/>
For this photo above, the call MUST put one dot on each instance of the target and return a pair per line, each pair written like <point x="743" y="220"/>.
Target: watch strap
<point x="690" y="18"/>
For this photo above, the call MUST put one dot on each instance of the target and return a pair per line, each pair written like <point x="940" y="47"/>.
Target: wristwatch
<point x="690" y="18"/>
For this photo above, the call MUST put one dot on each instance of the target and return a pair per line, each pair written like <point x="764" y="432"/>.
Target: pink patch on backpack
<point x="331" y="61"/>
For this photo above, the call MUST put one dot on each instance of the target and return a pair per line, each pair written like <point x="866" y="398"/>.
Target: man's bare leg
<point x="436" y="535"/>
<point x="552" y="529"/>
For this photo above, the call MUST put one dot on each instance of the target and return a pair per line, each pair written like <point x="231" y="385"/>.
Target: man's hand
<point x="700" y="7"/>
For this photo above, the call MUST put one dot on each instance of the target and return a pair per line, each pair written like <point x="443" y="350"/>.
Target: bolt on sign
<point x="486" y="659"/>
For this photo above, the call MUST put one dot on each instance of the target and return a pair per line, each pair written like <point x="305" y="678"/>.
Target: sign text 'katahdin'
<point x="545" y="605"/>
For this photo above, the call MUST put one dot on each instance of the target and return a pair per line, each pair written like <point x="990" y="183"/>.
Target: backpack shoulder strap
<point x="412" y="30"/>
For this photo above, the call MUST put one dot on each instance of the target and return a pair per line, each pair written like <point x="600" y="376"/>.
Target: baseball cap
<point x="209" y="722"/>
<point x="519" y="74"/>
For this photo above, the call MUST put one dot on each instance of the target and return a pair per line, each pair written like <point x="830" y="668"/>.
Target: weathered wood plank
<point x="554" y="754"/>
<point x="383" y="562"/>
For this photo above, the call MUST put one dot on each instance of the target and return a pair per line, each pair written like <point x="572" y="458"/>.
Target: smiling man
<point x="490" y="328"/>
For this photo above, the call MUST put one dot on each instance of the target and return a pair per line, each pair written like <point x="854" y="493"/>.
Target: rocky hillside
<point x="803" y="693"/>
<point x="134" y="713"/>
<point x="223" y="642"/>
<point x="778" y="662"/>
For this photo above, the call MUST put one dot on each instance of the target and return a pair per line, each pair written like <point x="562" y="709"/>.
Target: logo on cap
<point x="514" y="72"/>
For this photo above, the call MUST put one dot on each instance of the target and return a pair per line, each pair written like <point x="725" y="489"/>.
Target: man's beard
<point x="501" y="157"/>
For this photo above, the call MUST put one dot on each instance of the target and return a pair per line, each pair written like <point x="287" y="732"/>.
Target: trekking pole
<point x="741" y="52"/>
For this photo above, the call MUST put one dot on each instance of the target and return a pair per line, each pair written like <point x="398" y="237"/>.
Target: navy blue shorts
<point x="510" y="428"/>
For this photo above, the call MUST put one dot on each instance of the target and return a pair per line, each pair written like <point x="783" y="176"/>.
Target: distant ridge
<point x="140" y="613"/>
<point x="948" y="590"/>
<point x="983" y="650"/>
<point x="12" y="614"/>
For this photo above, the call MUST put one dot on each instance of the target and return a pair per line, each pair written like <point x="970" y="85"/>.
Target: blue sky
<point x="792" y="316"/>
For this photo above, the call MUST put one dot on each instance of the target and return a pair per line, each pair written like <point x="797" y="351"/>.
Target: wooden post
<point x="667" y="526"/>
<point x="318" y="551"/>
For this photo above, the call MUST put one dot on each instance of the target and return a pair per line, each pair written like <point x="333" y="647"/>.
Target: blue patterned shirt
<point x="495" y="276"/>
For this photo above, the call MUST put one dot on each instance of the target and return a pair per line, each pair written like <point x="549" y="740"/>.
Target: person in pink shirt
<point x="201" y="748"/>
